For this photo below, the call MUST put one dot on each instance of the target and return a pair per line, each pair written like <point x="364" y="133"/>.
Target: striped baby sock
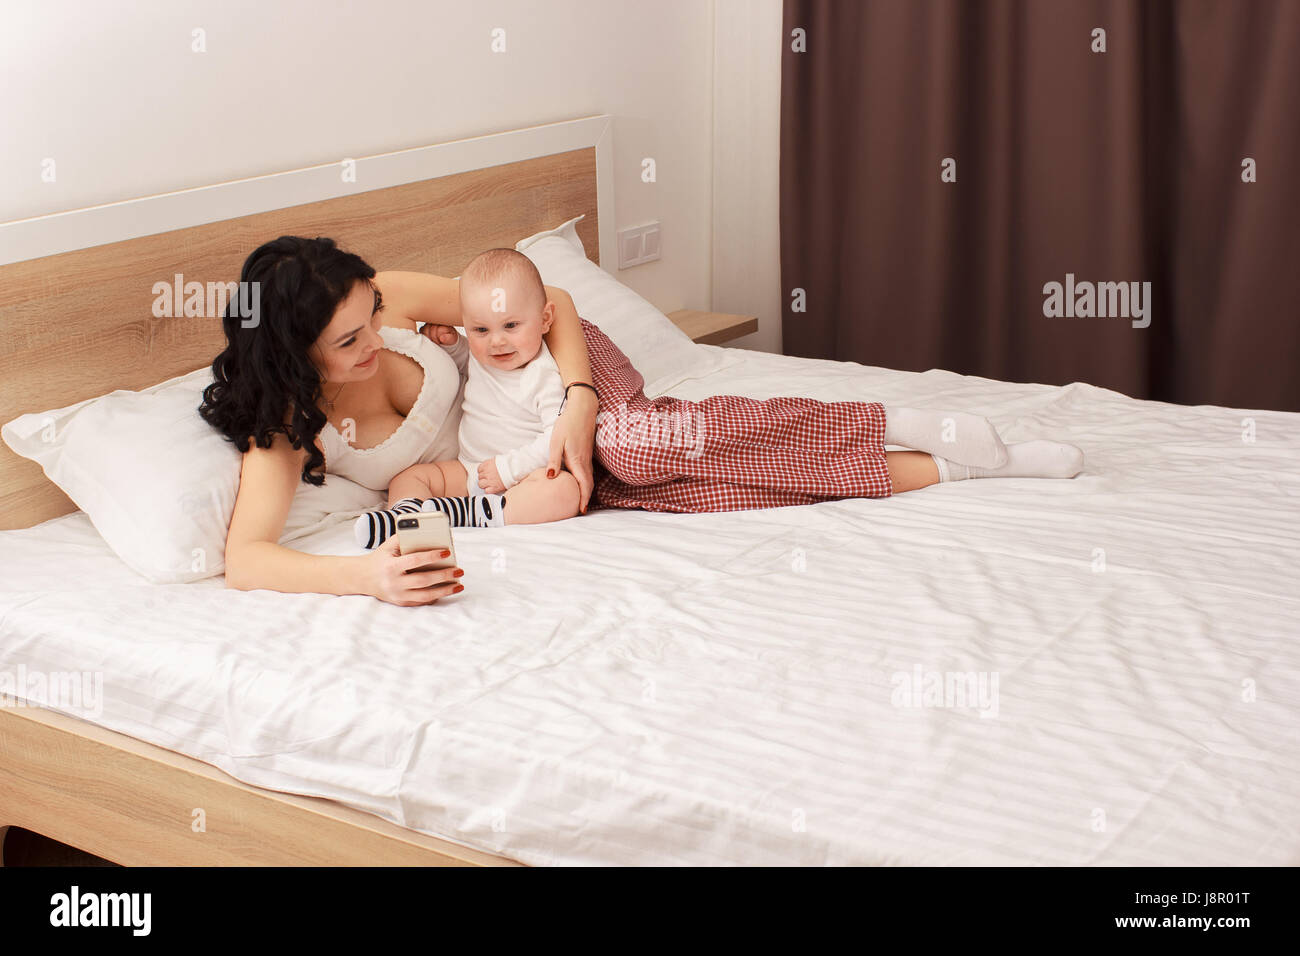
<point x="375" y="527"/>
<point x="468" y="511"/>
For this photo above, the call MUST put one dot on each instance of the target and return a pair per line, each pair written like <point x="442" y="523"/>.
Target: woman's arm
<point x="411" y="297"/>
<point x="565" y="340"/>
<point x="575" y="430"/>
<point x="268" y="479"/>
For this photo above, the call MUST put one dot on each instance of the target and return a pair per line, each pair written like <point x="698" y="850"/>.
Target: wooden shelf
<point x="713" y="328"/>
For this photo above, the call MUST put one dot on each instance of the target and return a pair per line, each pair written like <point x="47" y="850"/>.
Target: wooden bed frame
<point x="76" y="296"/>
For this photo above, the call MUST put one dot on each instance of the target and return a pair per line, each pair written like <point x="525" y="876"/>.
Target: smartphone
<point x="426" y="531"/>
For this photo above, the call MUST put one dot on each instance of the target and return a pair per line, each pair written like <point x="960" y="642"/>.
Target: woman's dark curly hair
<point x="266" y="376"/>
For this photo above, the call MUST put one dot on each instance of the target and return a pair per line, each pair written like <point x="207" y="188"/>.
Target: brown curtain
<point x="1122" y="166"/>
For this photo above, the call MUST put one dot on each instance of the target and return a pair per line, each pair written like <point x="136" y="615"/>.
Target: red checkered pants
<point x="727" y="453"/>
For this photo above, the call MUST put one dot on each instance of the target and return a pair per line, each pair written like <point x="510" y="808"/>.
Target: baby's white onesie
<point x="507" y="415"/>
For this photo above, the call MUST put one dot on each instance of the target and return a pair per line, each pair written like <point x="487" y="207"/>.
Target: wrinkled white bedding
<point x="631" y="687"/>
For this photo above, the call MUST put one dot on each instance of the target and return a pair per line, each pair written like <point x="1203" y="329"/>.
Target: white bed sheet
<point x="631" y="687"/>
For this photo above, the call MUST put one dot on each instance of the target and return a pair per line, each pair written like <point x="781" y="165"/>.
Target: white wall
<point x="114" y="94"/>
<point x="746" y="166"/>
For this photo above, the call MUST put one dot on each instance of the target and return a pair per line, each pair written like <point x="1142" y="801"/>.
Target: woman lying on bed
<point x="305" y="390"/>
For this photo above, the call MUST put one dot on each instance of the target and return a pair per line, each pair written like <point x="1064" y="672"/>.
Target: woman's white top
<point x="429" y="431"/>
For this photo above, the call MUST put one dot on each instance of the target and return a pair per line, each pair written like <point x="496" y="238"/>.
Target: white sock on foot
<point x="974" y="440"/>
<point x="1027" y="459"/>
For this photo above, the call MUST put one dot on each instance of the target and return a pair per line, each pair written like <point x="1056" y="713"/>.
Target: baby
<point x="512" y="400"/>
<point x="514" y="391"/>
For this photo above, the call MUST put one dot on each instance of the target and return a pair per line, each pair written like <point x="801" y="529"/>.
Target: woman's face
<point x="348" y="348"/>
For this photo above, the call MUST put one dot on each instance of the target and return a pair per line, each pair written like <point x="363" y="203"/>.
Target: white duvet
<point x="773" y="687"/>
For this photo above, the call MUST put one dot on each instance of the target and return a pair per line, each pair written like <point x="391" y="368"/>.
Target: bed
<point x="1098" y="671"/>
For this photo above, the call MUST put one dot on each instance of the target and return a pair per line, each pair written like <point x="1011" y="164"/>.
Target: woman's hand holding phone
<point x="388" y="578"/>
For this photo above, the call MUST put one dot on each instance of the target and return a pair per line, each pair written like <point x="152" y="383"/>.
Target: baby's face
<point x="504" y="323"/>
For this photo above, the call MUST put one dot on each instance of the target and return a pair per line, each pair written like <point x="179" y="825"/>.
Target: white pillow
<point x="659" y="350"/>
<point x="157" y="481"/>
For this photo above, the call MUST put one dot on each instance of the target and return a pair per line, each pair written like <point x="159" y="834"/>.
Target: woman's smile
<point x="370" y="361"/>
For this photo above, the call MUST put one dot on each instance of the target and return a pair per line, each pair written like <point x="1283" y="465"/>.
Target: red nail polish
<point x="457" y="588"/>
<point x="458" y="572"/>
<point x="550" y="472"/>
<point x="445" y="554"/>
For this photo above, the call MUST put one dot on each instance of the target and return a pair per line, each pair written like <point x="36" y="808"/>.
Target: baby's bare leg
<point x="537" y="499"/>
<point x="434" y="480"/>
<point x="910" y="470"/>
<point x="454" y="479"/>
<point x="418" y="483"/>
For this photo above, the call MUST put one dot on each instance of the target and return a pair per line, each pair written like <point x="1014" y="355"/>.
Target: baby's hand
<point x="489" y="479"/>
<point x="441" y="334"/>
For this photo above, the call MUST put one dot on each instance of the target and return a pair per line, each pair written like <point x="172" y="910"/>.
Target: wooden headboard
<point x="80" y="323"/>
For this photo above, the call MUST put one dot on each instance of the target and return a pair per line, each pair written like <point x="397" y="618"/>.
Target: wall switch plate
<point x="638" y="244"/>
<point x="650" y="242"/>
